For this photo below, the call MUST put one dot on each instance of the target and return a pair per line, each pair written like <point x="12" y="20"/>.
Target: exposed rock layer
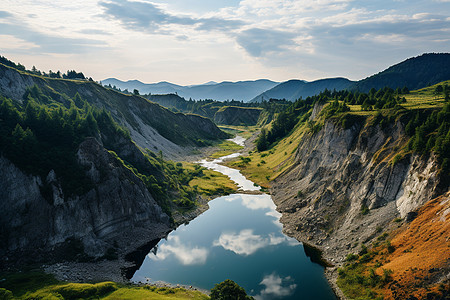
<point x="350" y="186"/>
<point x="111" y="214"/>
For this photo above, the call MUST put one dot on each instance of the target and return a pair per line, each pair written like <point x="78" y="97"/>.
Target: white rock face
<point x="341" y="171"/>
<point x="417" y="186"/>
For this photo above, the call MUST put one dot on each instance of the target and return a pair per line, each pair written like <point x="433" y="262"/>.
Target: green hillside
<point x="425" y="113"/>
<point x="128" y="110"/>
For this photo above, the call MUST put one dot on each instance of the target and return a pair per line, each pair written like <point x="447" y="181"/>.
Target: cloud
<point x="210" y="24"/>
<point x="276" y="287"/>
<point x="94" y="32"/>
<point x="246" y="242"/>
<point x="184" y="254"/>
<point x="152" y="19"/>
<point x="5" y="14"/>
<point x="141" y="15"/>
<point x="11" y="42"/>
<point x="45" y="43"/>
<point x="255" y="202"/>
<point x="277" y="8"/>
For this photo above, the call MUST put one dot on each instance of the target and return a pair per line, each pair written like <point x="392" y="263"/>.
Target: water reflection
<point x="186" y="255"/>
<point x="255" y="202"/>
<point x="246" y="242"/>
<point x="276" y="286"/>
<point x="239" y="238"/>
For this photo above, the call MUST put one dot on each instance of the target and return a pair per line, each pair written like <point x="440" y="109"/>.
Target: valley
<point x="93" y="178"/>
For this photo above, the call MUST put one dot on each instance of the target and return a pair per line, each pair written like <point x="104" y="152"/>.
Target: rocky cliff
<point x="345" y="185"/>
<point x="115" y="213"/>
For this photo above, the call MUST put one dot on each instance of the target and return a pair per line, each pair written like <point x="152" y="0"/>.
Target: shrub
<point x="228" y="290"/>
<point x="364" y="209"/>
<point x="351" y="257"/>
<point x="389" y="247"/>
<point x="386" y="277"/>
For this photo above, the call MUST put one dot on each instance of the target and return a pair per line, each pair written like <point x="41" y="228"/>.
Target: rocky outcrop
<point x="232" y="115"/>
<point x="118" y="211"/>
<point x="345" y="186"/>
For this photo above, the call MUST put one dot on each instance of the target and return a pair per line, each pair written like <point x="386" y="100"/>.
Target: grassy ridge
<point x="38" y="285"/>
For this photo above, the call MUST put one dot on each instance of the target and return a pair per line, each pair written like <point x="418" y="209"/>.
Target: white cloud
<point x="246" y="242"/>
<point x="12" y="42"/>
<point x="228" y="40"/>
<point x="186" y="255"/>
<point x="276" y="287"/>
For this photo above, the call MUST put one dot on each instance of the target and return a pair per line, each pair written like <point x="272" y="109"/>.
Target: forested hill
<point x="150" y="125"/>
<point x="413" y="73"/>
<point x="243" y="113"/>
<point x="294" y="89"/>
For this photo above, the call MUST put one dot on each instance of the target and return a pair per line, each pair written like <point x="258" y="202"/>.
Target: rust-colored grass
<point x="422" y="253"/>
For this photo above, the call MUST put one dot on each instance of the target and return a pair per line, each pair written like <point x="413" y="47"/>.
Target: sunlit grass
<point x="244" y="131"/>
<point x="212" y="182"/>
<point x="226" y="148"/>
<point x="38" y="285"/>
<point x="149" y="292"/>
<point x="268" y="165"/>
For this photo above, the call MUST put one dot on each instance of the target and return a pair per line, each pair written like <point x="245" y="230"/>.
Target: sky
<point x="197" y="41"/>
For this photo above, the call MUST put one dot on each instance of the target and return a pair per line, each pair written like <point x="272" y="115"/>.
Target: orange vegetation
<point x="421" y="259"/>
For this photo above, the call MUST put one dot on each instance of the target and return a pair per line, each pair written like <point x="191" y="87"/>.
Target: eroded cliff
<point x="117" y="212"/>
<point x="346" y="185"/>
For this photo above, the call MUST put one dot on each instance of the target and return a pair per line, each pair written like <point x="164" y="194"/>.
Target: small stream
<point x="239" y="238"/>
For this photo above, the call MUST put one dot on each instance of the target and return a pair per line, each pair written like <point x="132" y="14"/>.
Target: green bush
<point x="228" y="290"/>
<point x="364" y="209"/>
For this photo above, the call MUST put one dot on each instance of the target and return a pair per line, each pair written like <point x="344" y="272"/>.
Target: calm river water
<point x="238" y="238"/>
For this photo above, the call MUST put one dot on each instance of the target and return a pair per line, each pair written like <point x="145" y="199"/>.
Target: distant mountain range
<point x="413" y="73"/>
<point x="294" y="89"/>
<point x="241" y="90"/>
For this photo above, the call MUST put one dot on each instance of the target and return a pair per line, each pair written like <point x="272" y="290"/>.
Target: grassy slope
<point x="267" y="165"/>
<point x="226" y="148"/>
<point x="176" y="127"/>
<point x="420" y="246"/>
<point x="407" y="262"/>
<point x="37" y="285"/>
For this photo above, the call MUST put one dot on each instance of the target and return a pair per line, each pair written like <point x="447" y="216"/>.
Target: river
<point x="240" y="238"/>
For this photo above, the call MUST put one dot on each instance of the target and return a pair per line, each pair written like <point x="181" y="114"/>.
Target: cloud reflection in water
<point x="246" y="242"/>
<point x="276" y="287"/>
<point x="184" y="254"/>
<point x="256" y="202"/>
